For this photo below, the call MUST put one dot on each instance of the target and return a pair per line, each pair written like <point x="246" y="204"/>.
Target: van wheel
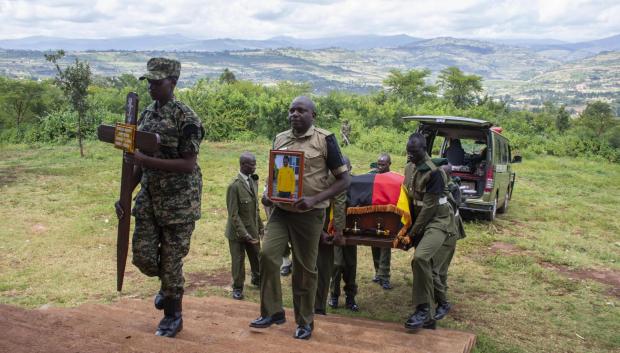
<point x="490" y="215"/>
<point x="504" y="207"/>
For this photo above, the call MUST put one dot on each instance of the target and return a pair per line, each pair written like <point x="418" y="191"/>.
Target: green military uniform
<point x="443" y="257"/>
<point x="434" y="224"/>
<point x="345" y="269"/>
<point x="382" y="261"/>
<point x="302" y="229"/>
<point x="325" y="259"/>
<point x="168" y="203"/>
<point x="243" y="222"/>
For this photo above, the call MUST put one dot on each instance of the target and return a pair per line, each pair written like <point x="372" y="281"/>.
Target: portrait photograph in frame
<point x="286" y="170"/>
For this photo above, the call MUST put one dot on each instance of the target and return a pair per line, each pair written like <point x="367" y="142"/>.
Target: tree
<point x="20" y="99"/>
<point x="410" y="86"/>
<point x="597" y="118"/>
<point x="458" y="87"/>
<point x="227" y="77"/>
<point x="74" y="81"/>
<point x="562" y="119"/>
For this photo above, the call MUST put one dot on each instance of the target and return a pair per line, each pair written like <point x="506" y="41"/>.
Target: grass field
<point x="525" y="283"/>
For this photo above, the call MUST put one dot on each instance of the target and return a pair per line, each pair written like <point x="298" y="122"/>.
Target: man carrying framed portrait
<point x="300" y="222"/>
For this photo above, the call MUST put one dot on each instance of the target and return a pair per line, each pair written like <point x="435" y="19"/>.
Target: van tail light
<point x="488" y="185"/>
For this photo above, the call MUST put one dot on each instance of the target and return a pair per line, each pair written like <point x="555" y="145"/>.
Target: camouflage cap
<point x="161" y="68"/>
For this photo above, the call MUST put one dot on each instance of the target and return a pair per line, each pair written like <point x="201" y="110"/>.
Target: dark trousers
<point x="238" y="250"/>
<point x="345" y="268"/>
<point x="302" y="231"/>
<point x="324" y="264"/>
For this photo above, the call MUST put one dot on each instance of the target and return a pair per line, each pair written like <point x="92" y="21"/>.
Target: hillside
<point x="522" y="75"/>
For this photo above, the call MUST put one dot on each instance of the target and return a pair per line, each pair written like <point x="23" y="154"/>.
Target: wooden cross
<point x="126" y="137"/>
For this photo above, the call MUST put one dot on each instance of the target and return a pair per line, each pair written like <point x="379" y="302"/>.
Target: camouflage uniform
<point x="168" y="203"/>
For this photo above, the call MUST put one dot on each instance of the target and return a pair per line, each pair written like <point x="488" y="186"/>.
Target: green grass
<point x="58" y="235"/>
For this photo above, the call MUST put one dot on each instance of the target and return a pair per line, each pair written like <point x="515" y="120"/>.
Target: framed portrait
<point x="286" y="171"/>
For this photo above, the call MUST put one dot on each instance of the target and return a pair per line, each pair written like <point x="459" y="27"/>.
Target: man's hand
<point x="339" y="239"/>
<point x="305" y="203"/>
<point x="120" y="213"/>
<point x="265" y="201"/>
<point x="248" y="239"/>
<point x="326" y="239"/>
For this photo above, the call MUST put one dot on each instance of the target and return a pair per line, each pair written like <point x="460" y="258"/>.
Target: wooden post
<point x="125" y="137"/>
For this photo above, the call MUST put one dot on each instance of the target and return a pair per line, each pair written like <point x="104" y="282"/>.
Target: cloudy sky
<point x="569" y="20"/>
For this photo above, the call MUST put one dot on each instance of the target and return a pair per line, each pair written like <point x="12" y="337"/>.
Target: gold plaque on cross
<point x="124" y="137"/>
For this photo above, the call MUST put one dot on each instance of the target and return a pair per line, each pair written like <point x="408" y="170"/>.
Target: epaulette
<point x="439" y="161"/>
<point x="184" y="108"/>
<point x="283" y="133"/>
<point x="426" y="166"/>
<point x="323" y="131"/>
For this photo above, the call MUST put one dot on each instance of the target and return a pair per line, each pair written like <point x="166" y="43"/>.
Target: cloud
<point x="570" y="20"/>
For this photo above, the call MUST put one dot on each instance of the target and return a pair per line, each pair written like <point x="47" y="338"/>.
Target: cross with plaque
<point x="125" y="136"/>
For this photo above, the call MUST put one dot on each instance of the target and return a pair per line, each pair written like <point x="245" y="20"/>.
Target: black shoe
<point x="172" y="323"/>
<point x="333" y="302"/>
<point x="255" y="280"/>
<point x="159" y="300"/>
<point x="421" y="318"/>
<point x="303" y="332"/>
<point x="285" y="270"/>
<point x="351" y="304"/>
<point x="320" y="311"/>
<point x="237" y="294"/>
<point x="385" y="284"/>
<point x="266" y="321"/>
<point x="442" y="310"/>
<point x="376" y="279"/>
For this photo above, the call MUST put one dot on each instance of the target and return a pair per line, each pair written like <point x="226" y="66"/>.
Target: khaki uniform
<point x="243" y="221"/>
<point x="168" y="203"/>
<point x="302" y="229"/>
<point x="434" y="224"/>
<point x="325" y="259"/>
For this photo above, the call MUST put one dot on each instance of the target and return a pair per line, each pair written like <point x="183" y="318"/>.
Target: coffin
<point x="378" y="211"/>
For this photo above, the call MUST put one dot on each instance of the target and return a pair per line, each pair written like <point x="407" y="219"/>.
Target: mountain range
<point x="523" y="72"/>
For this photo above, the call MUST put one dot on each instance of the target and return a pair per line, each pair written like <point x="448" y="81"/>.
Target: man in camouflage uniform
<point x="325" y="258"/>
<point x="244" y="226"/>
<point x="168" y="203"/>
<point x="301" y="222"/>
<point x="434" y="225"/>
<point x="382" y="257"/>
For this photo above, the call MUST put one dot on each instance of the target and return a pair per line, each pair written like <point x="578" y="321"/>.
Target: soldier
<point x="300" y="223"/>
<point x="345" y="131"/>
<point x="434" y="225"/>
<point x="244" y="226"/>
<point x="382" y="257"/>
<point x="325" y="259"/>
<point x="345" y="268"/>
<point x="168" y="204"/>
<point x="443" y="257"/>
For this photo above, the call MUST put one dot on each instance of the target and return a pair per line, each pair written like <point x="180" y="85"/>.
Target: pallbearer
<point x="168" y="203"/>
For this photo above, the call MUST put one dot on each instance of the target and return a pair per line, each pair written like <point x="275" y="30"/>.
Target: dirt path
<point x="211" y="324"/>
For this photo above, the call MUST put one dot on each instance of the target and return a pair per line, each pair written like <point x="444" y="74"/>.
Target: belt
<point x="442" y="201"/>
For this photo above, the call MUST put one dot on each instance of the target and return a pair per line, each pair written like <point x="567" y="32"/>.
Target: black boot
<point x="350" y="303"/>
<point x="420" y="318"/>
<point x="442" y="310"/>
<point x="159" y="300"/>
<point x="172" y="323"/>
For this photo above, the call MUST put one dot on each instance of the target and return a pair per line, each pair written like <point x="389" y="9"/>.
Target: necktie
<point x="251" y="186"/>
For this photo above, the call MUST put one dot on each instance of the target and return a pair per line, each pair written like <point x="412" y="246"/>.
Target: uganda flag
<point x="383" y="192"/>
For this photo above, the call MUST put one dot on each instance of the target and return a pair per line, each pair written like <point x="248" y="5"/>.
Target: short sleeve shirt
<point x="322" y="157"/>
